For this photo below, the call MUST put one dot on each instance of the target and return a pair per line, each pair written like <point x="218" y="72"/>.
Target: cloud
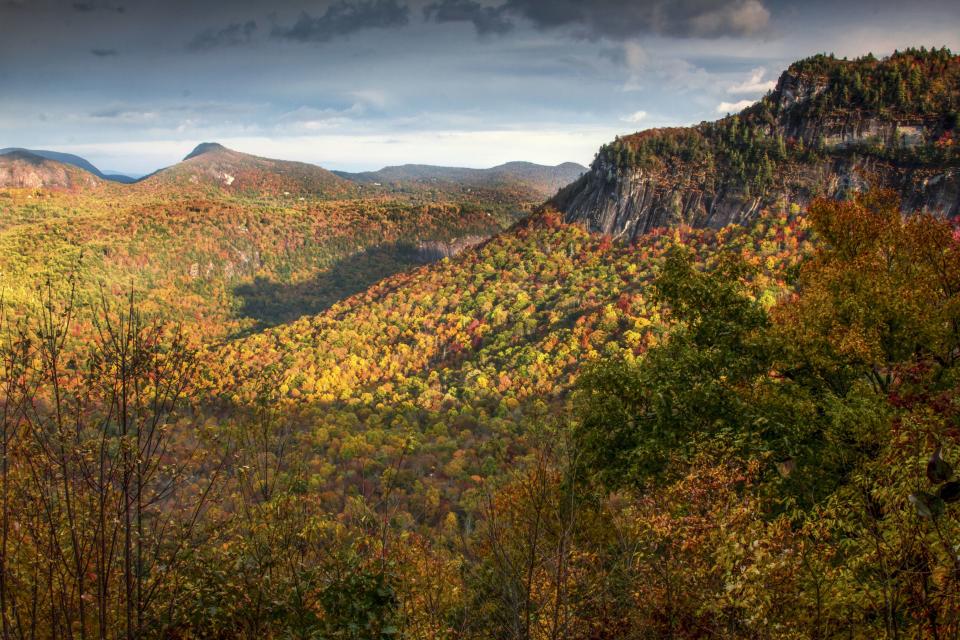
<point x="635" y="117"/>
<point x="104" y="53"/>
<point x="739" y="18"/>
<point x="230" y="36"/>
<point x="344" y="18"/>
<point x="659" y="72"/>
<point x="733" y="107"/>
<point x="373" y="97"/>
<point x="756" y="83"/>
<point x="635" y="56"/>
<point x="486" y="20"/>
<point x="172" y="117"/>
<point x="593" y="19"/>
<point x="89" y="6"/>
<point x="131" y="115"/>
<point x="311" y="120"/>
<point x="622" y="19"/>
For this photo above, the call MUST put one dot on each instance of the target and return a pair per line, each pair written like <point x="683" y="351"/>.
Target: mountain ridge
<point x="830" y="127"/>
<point x="20" y="169"/>
<point x="542" y="180"/>
<point x="211" y="164"/>
<point x="74" y="160"/>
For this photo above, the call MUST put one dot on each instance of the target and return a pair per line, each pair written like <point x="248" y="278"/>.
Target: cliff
<point x="830" y="128"/>
<point x="24" y="170"/>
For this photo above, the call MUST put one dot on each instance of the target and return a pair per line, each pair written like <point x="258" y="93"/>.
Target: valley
<point x="706" y="387"/>
<point x="229" y="241"/>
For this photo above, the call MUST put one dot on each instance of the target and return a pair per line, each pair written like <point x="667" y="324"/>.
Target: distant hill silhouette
<point x="540" y="181"/>
<point x="22" y="169"/>
<point x="76" y="161"/>
<point x="213" y="165"/>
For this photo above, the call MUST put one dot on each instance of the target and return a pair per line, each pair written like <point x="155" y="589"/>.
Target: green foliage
<point x="844" y="399"/>
<point x="226" y="263"/>
<point x="762" y="146"/>
<point x="687" y="391"/>
<point x="914" y="81"/>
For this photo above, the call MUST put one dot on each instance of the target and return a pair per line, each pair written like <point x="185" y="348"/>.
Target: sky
<point x="134" y="85"/>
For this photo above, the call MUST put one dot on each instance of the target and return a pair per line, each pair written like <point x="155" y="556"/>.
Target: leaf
<point x="950" y="492"/>
<point x="924" y="504"/>
<point x="937" y="505"/>
<point x="786" y="467"/>
<point x="938" y="469"/>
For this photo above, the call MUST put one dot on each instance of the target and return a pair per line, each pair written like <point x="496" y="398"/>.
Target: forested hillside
<point x="22" y="169"/>
<point x="830" y="128"/>
<point x="230" y="408"/>
<point x="225" y="262"/>
<point x="526" y="180"/>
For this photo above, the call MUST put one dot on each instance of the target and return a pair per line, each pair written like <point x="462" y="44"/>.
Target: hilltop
<point x="76" y="161"/>
<point x="831" y="127"/>
<point x="532" y="181"/>
<point x="23" y="169"/>
<point x="211" y="165"/>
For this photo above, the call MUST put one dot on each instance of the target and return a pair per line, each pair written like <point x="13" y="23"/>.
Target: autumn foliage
<point x="742" y="433"/>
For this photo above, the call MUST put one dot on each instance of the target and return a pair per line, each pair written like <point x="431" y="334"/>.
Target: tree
<point x="105" y="503"/>
<point x="636" y="415"/>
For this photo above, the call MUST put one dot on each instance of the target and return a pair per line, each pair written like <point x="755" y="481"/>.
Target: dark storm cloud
<point x="345" y="18"/>
<point x="620" y="19"/>
<point x="486" y="20"/>
<point x="230" y="36"/>
<point x="565" y="77"/>
<point x="594" y="19"/>
<point x="615" y="19"/>
<point x="89" y="6"/>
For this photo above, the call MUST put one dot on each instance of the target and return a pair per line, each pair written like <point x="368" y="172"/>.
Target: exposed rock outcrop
<point x="815" y="146"/>
<point x="211" y="165"/>
<point x="23" y="170"/>
<point x="631" y="203"/>
<point x="433" y="250"/>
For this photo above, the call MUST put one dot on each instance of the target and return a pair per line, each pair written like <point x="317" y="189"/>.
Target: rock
<point x="855" y="150"/>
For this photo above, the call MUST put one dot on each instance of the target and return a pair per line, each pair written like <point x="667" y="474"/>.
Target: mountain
<point x="460" y="425"/>
<point x="537" y="181"/>
<point x="76" y="161"/>
<point x="22" y="169"/>
<point x="213" y="165"/>
<point x="831" y="127"/>
<point x="119" y="176"/>
<point x="224" y="262"/>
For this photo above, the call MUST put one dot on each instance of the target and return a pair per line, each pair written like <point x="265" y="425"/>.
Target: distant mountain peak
<point x="67" y="158"/>
<point x="206" y="147"/>
<point x="536" y="182"/>
<point x="24" y="169"/>
<point x="23" y="154"/>
<point x="213" y="165"/>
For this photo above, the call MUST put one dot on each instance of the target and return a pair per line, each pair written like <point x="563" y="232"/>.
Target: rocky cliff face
<point x="632" y="202"/>
<point x="434" y="250"/>
<point x="23" y="170"/>
<point x="804" y="141"/>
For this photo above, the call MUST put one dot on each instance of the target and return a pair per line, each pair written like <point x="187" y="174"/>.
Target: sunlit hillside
<point x="707" y="388"/>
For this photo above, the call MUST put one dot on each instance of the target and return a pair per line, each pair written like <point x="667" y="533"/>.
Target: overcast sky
<point x="133" y="85"/>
